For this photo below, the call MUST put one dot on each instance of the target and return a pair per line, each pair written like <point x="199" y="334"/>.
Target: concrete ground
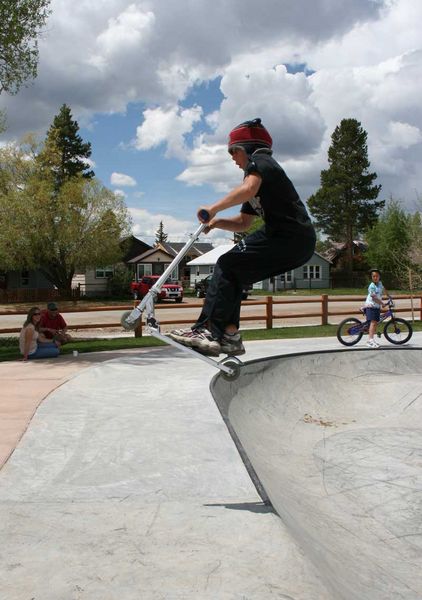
<point x="126" y="484"/>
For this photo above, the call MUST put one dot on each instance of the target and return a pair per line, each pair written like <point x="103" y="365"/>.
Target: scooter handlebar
<point x="204" y="215"/>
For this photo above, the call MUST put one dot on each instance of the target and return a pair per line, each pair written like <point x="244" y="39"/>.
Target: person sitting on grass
<point x="32" y="343"/>
<point x="53" y="326"/>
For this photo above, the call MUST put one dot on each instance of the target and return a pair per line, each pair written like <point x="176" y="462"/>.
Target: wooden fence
<point x="319" y="308"/>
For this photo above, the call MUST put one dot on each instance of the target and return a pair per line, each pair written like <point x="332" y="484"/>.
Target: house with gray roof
<point x="315" y="274"/>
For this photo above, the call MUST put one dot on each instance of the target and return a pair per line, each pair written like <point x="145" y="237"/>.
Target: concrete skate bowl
<point x="334" y="439"/>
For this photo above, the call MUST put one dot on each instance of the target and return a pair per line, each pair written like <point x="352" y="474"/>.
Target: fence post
<point x="420" y="316"/>
<point x="138" y="329"/>
<point x="324" y="309"/>
<point x="269" y="312"/>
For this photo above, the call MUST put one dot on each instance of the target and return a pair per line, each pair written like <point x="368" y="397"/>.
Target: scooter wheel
<point x="125" y="324"/>
<point x="235" y="365"/>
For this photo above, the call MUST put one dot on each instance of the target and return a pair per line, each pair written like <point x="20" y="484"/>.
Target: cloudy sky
<point x="157" y="85"/>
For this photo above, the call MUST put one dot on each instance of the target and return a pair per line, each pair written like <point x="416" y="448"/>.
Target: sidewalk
<point x="26" y="384"/>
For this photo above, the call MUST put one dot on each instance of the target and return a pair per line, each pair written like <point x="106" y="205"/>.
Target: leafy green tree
<point x="256" y="224"/>
<point x="65" y="153"/>
<point x="415" y="252"/>
<point x="121" y="280"/>
<point x="345" y="204"/>
<point x="389" y="240"/>
<point x="61" y="230"/>
<point x="21" y="23"/>
<point x="323" y="246"/>
<point x="160" y="235"/>
<point x="416" y="238"/>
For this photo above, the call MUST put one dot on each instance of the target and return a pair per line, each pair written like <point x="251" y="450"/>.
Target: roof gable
<point x="153" y="255"/>
<point x="198" y="248"/>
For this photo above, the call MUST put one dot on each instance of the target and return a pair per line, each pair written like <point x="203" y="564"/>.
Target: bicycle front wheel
<point x="398" y="331"/>
<point x="350" y="331"/>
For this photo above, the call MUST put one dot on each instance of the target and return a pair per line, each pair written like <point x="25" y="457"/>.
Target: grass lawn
<point x="9" y="349"/>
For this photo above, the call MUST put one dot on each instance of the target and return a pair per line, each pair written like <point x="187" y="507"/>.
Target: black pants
<point x="253" y="259"/>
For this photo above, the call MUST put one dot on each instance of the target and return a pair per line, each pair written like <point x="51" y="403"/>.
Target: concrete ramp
<point x="334" y="440"/>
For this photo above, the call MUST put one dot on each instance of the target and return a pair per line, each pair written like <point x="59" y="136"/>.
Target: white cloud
<point x="403" y="135"/>
<point x="168" y="125"/>
<point x="98" y="56"/>
<point x="208" y="163"/>
<point x="145" y="226"/>
<point x="367" y="58"/>
<point x="122" y="180"/>
<point x="128" y="31"/>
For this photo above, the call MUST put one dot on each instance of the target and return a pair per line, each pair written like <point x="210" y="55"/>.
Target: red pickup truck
<point x="169" y="291"/>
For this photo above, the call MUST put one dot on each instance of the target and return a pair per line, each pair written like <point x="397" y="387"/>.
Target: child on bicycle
<point x="373" y="306"/>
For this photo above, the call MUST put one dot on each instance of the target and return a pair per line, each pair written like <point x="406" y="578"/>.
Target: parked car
<point x="169" y="291"/>
<point x="202" y="286"/>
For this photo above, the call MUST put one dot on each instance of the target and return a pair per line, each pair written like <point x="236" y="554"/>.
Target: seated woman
<point x="32" y="343"/>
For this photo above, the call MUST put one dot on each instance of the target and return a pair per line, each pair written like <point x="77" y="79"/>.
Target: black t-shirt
<point x="277" y="201"/>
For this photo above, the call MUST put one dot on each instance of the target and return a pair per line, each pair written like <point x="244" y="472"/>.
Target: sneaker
<point x="232" y="345"/>
<point x="198" y="339"/>
<point x="372" y="344"/>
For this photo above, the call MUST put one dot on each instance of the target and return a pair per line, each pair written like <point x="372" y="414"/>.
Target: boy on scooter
<point x="285" y="242"/>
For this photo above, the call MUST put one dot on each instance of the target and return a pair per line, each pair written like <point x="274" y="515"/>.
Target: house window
<point x="286" y="277"/>
<point x="211" y="268"/>
<point x="24" y="278"/>
<point x="144" y="269"/>
<point x="104" y="272"/>
<point x="312" y="272"/>
<point x="174" y="276"/>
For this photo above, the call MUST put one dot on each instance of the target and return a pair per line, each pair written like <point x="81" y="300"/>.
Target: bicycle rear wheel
<point x="398" y="331"/>
<point x="350" y="331"/>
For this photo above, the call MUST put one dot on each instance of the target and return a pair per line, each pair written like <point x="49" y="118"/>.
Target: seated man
<point x="53" y="326"/>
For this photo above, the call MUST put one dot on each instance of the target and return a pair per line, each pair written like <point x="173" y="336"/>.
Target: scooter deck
<point x="229" y="366"/>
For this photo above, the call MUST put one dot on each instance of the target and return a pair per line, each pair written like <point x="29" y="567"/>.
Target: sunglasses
<point x="36" y="314"/>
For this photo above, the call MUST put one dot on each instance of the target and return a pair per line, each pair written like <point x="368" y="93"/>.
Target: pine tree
<point x="345" y="204"/>
<point x="160" y="236"/>
<point x="65" y="151"/>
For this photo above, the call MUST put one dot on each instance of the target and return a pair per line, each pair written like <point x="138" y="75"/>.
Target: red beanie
<point x="250" y="132"/>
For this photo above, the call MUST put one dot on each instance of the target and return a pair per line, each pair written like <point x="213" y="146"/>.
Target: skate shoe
<point x="372" y="344"/>
<point x="232" y="345"/>
<point x="198" y="339"/>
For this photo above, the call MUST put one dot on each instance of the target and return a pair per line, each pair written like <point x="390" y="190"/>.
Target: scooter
<point x="229" y="366"/>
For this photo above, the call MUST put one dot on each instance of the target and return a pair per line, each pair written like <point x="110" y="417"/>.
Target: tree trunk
<point x="60" y="277"/>
<point x="349" y="250"/>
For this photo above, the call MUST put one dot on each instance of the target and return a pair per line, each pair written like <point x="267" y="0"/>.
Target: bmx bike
<point x="396" y="330"/>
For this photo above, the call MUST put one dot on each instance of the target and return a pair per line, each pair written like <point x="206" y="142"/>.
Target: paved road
<point x="189" y="310"/>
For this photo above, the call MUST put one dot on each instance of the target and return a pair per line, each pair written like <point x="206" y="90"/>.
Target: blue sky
<point x="157" y="189"/>
<point x="156" y="87"/>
